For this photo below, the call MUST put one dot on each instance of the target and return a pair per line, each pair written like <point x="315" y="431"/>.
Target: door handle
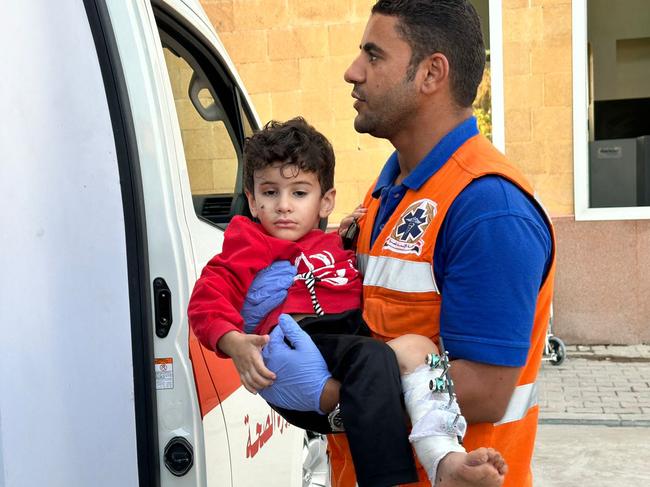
<point x="162" y="298"/>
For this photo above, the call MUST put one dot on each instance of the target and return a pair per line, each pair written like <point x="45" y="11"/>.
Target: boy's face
<point x="288" y="201"/>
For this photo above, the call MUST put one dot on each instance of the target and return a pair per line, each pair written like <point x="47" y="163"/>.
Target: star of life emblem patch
<point x="406" y="237"/>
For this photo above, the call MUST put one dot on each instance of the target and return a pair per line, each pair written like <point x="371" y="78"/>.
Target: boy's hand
<point x="246" y="353"/>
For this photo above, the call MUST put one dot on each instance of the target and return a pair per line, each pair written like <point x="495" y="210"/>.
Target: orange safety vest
<point x="401" y="296"/>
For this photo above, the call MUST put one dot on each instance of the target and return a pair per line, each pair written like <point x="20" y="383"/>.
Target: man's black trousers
<point x="370" y="399"/>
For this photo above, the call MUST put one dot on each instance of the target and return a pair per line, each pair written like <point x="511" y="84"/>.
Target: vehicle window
<point x="212" y="160"/>
<point x="212" y="121"/>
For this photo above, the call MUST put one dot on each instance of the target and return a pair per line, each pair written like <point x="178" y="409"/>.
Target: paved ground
<point x="602" y="385"/>
<point x="595" y="419"/>
<point x="590" y="455"/>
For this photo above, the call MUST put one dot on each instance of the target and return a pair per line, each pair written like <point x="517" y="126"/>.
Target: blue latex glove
<point x="301" y="371"/>
<point x="267" y="292"/>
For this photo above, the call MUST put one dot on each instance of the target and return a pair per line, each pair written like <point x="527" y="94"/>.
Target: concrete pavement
<point x="595" y="419"/>
<point x="591" y="455"/>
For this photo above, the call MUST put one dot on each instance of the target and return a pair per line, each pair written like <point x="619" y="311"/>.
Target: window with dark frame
<point x="213" y="122"/>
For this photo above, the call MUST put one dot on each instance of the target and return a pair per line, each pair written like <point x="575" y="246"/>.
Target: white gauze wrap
<point x="434" y="433"/>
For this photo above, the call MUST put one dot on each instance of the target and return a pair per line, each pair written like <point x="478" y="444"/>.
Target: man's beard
<point x="389" y="119"/>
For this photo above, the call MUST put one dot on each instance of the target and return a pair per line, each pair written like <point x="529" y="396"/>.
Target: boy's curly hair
<point x="292" y="143"/>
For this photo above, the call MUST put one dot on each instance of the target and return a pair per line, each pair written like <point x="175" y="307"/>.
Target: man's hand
<point x="300" y="369"/>
<point x="246" y="353"/>
<point x="347" y="221"/>
<point x="267" y="292"/>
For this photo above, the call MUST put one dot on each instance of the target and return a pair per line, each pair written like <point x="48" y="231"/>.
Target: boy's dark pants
<point x="370" y="399"/>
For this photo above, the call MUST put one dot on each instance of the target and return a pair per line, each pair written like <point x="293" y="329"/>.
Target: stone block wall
<point x="602" y="282"/>
<point x="538" y="96"/>
<point x="602" y="266"/>
<point x="291" y="55"/>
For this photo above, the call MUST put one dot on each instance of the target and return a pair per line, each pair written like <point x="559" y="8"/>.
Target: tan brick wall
<point x="538" y="96"/>
<point x="291" y="55"/>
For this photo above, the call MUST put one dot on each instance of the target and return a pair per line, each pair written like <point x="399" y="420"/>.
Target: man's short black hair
<point x="450" y="27"/>
<point x="292" y="143"/>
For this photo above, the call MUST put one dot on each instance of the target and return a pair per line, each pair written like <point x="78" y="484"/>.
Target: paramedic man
<point x="491" y="245"/>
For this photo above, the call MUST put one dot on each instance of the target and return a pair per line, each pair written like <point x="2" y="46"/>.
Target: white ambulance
<point x="122" y="124"/>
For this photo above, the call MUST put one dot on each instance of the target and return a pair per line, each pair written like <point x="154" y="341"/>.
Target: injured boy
<point x="288" y="179"/>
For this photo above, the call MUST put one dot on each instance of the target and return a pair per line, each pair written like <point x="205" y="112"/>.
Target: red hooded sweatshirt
<point x="219" y="293"/>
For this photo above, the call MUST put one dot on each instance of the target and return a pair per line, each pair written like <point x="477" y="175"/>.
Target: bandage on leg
<point x="431" y="404"/>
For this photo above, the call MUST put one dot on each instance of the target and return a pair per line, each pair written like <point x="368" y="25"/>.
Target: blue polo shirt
<point x="492" y="254"/>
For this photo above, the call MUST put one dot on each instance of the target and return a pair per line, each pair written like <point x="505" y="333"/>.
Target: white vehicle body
<point x="101" y="381"/>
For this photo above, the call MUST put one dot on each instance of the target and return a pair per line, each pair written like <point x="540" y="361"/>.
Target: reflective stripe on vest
<point x="397" y="274"/>
<point x="524" y="398"/>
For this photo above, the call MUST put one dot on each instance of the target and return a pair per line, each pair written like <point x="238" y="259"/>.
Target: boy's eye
<point x="269" y="192"/>
<point x="300" y="194"/>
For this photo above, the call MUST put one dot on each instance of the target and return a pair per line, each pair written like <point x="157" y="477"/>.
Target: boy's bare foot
<point x="483" y="467"/>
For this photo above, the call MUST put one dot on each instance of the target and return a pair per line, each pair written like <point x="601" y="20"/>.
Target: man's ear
<point x="435" y="69"/>
<point x="251" y="203"/>
<point x="327" y="203"/>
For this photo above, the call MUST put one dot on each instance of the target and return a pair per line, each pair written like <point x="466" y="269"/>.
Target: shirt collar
<point x="387" y="175"/>
<point x="433" y="161"/>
